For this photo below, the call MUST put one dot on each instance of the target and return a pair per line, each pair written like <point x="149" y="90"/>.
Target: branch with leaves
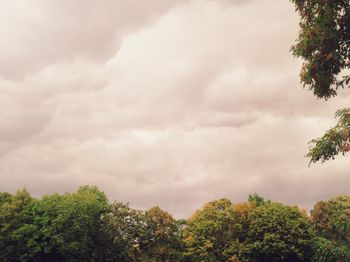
<point x="335" y="141"/>
<point x="324" y="45"/>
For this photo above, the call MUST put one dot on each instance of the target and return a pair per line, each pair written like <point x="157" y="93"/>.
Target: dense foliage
<point x="84" y="226"/>
<point x="324" y="45"/>
<point x="332" y="221"/>
<point x="278" y="233"/>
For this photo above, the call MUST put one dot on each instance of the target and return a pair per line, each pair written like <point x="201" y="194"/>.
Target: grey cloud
<point x="173" y="103"/>
<point x="40" y="33"/>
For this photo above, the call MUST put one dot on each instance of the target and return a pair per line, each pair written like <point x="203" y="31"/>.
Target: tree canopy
<point x="84" y="226"/>
<point x="278" y="232"/>
<point x="210" y="231"/>
<point x="324" y="45"/>
<point x="331" y="219"/>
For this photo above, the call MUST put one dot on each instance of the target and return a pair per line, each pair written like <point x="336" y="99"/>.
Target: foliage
<point x="324" y="44"/>
<point x="11" y="219"/>
<point x="161" y="241"/>
<point x="278" y="233"/>
<point x="133" y="235"/>
<point x="332" y="218"/>
<point x="55" y="228"/>
<point x="335" y="141"/>
<point x="325" y="250"/>
<point x="120" y="234"/>
<point x="209" y="233"/>
<point x="4" y="198"/>
<point x="332" y="222"/>
<point x="83" y="226"/>
<point x="259" y="200"/>
<point x="241" y="214"/>
<point x="73" y="221"/>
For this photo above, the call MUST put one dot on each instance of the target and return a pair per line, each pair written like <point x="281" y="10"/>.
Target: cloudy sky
<point x="164" y="102"/>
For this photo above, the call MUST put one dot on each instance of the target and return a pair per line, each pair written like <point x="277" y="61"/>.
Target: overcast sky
<point x="162" y="102"/>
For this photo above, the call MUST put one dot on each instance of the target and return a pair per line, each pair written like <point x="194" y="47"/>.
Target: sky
<point x="165" y="102"/>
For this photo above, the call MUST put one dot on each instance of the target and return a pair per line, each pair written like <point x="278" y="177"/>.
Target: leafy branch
<point x="335" y="141"/>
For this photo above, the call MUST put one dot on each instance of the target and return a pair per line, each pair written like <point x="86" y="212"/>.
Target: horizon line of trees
<point x="84" y="226"/>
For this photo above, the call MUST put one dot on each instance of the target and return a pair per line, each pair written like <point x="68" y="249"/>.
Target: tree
<point x="73" y="221"/>
<point x="324" y="44"/>
<point x="257" y="199"/>
<point x="278" y="233"/>
<point x="120" y="236"/>
<point x="134" y="235"/>
<point x="59" y="227"/>
<point x="162" y="239"/>
<point x="335" y="141"/>
<point x="12" y="218"/>
<point x="209" y="233"/>
<point x="332" y="222"/>
<point x="4" y="198"/>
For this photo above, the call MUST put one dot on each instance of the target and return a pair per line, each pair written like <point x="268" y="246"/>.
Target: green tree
<point x="278" y="233"/>
<point x="239" y="248"/>
<point x="60" y="227"/>
<point x="259" y="200"/>
<point x="75" y="220"/>
<point x="324" y="45"/>
<point x="335" y="141"/>
<point x="209" y="233"/>
<point x="161" y="241"/>
<point x="4" y="198"/>
<point x="120" y="236"/>
<point x="12" y="218"/>
<point x="332" y="222"/>
<point x="133" y="235"/>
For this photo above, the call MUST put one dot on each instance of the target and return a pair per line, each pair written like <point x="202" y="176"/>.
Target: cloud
<point x="40" y="33"/>
<point x="170" y="103"/>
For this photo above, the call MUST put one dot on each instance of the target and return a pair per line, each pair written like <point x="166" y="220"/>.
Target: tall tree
<point x="121" y="234"/>
<point x="60" y="227"/>
<point x="12" y="219"/>
<point x="324" y="44"/>
<point x="161" y="241"/>
<point x="75" y="221"/>
<point x="209" y="233"/>
<point x="278" y="233"/>
<point x="133" y="235"/>
<point x="332" y="222"/>
<point x="257" y="199"/>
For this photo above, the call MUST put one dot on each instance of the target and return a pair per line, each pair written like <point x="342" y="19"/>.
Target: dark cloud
<point x="170" y="103"/>
<point x="40" y="33"/>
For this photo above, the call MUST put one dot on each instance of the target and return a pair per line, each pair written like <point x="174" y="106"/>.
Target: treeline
<point x="84" y="226"/>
